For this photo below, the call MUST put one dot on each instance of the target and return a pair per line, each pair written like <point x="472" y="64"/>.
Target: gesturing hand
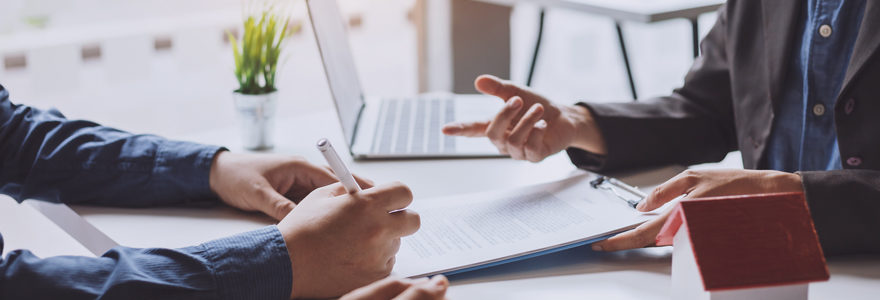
<point x="530" y="127"/>
<point x="339" y="241"/>
<point x="266" y="182"/>
<point x="698" y="184"/>
<point x="402" y="289"/>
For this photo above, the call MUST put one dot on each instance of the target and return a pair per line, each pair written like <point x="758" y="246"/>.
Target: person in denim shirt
<point x="326" y="244"/>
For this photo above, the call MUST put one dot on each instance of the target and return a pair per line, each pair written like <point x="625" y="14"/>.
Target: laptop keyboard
<point x="412" y="126"/>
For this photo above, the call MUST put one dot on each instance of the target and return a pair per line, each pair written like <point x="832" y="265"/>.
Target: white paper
<point x="74" y="225"/>
<point x="464" y="231"/>
<point x="23" y="227"/>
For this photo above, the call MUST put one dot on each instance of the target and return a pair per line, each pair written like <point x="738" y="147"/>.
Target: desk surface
<point x="572" y="274"/>
<point x="646" y="11"/>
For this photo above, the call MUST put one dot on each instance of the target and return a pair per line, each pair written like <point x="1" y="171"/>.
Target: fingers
<point x="382" y="289"/>
<point x="643" y="236"/>
<point x="395" y="247"/>
<point x="320" y="175"/>
<point x="491" y="85"/>
<point x="468" y="129"/>
<point x="535" y="150"/>
<point x="329" y="191"/>
<point x="407" y="222"/>
<point x="682" y="183"/>
<point x="434" y="289"/>
<point x="520" y="134"/>
<point x="363" y="182"/>
<point x="389" y="197"/>
<point x="497" y="130"/>
<point x="515" y="143"/>
<point x="274" y="204"/>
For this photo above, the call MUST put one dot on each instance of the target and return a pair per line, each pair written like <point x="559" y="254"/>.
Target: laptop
<point x="399" y="127"/>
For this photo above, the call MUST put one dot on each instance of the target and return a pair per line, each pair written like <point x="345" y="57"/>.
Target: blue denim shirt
<point x="47" y="157"/>
<point x="804" y="136"/>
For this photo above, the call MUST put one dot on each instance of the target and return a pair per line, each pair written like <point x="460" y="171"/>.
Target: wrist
<point x="290" y="236"/>
<point x="214" y="173"/>
<point x="293" y="280"/>
<point x="587" y="134"/>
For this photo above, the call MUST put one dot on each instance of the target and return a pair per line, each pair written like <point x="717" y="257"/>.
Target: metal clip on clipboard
<point x="616" y="186"/>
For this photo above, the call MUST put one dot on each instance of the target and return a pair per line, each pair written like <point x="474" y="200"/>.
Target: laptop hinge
<point x="357" y="123"/>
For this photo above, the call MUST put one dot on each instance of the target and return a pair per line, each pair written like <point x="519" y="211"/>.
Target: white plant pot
<point x="256" y="116"/>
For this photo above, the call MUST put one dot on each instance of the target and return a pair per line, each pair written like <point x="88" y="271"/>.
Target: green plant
<point x="257" y="52"/>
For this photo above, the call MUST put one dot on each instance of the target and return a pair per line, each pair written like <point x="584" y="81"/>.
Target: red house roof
<point x="750" y="241"/>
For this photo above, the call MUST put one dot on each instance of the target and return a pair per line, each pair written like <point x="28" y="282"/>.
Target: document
<point x="466" y="232"/>
<point x="25" y="227"/>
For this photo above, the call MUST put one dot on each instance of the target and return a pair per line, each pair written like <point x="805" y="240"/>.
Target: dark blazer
<point x="728" y="103"/>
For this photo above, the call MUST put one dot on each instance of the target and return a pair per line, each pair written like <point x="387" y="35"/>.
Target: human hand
<point x="339" y="241"/>
<point x="699" y="184"/>
<point x="530" y="127"/>
<point x="266" y="182"/>
<point x="402" y="289"/>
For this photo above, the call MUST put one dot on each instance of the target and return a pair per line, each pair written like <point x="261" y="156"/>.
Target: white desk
<point x="573" y="274"/>
<point x="175" y="227"/>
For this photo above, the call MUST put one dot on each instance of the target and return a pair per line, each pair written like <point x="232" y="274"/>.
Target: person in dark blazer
<point x="793" y="85"/>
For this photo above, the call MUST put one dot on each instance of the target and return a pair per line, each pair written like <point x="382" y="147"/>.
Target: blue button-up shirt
<point x="47" y="157"/>
<point x="804" y="136"/>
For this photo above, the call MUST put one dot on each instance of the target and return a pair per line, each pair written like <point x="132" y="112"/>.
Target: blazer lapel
<point x="781" y="19"/>
<point x="866" y="43"/>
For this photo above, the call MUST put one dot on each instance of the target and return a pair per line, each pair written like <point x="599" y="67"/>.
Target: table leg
<point x="695" y="29"/>
<point x="629" y="74"/>
<point x="537" y="47"/>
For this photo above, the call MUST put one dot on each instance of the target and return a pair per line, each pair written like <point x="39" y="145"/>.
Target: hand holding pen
<point x="341" y="237"/>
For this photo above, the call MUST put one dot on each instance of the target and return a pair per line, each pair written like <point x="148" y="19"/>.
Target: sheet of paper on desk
<point x="23" y="227"/>
<point x="465" y="232"/>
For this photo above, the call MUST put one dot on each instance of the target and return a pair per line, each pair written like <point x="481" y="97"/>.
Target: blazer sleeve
<point x="47" y="157"/>
<point x="844" y="205"/>
<point x="694" y="125"/>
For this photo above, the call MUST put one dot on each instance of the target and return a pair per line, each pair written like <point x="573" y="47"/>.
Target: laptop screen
<point x="330" y="33"/>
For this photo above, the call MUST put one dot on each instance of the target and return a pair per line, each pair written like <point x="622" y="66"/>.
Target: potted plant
<point x="256" y="62"/>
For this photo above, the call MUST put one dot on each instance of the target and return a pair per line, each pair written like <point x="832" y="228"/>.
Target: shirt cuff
<point x="186" y="167"/>
<point x="251" y="265"/>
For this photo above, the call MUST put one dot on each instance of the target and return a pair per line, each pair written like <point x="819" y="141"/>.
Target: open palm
<point x="529" y="127"/>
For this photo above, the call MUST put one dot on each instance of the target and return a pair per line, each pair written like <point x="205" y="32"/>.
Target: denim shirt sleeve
<point x="253" y="265"/>
<point x="47" y="157"/>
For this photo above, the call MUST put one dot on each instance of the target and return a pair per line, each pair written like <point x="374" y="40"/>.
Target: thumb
<point x="382" y="289"/>
<point x="328" y="191"/>
<point x="434" y="289"/>
<point x="275" y="205"/>
<point x="492" y="85"/>
<point x="682" y="183"/>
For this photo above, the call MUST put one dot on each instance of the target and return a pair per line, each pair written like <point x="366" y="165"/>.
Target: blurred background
<point x="165" y="66"/>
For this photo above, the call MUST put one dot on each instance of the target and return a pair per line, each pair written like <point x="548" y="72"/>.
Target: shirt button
<point x="819" y="109"/>
<point x="854" y="161"/>
<point x="849" y="106"/>
<point x="825" y="30"/>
